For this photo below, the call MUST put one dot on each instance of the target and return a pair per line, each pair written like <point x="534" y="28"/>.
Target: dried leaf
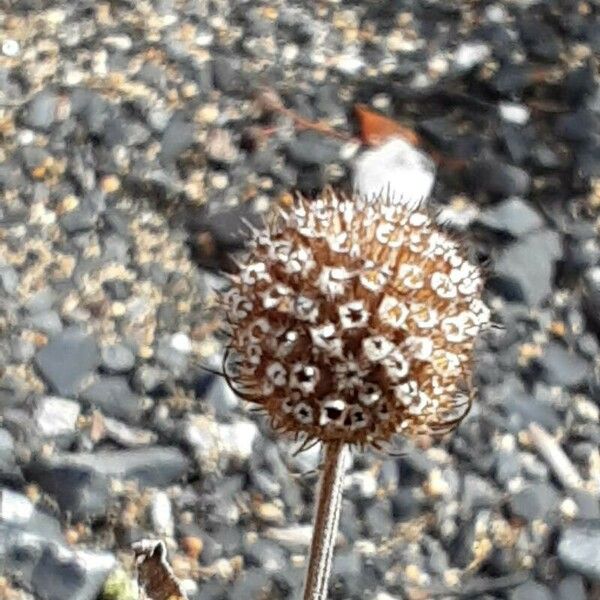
<point x="376" y="129"/>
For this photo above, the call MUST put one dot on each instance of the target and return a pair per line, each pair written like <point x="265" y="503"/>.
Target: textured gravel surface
<point x="131" y="150"/>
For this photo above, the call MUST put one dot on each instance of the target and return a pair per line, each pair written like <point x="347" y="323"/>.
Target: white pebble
<point x="10" y="48"/>
<point x="514" y="113"/>
<point x="14" y="508"/>
<point x="56" y="416"/>
<point x="395" y="168"/>
<point x="161" y="514"/>
<point x="181" y="342"/>
<point x="470" y="54"/>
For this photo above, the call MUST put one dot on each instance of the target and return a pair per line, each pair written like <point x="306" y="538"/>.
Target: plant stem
<point x="326" y="520"/>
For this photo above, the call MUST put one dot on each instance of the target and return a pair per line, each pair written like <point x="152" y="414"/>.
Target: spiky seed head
<point x="354" y="320"/>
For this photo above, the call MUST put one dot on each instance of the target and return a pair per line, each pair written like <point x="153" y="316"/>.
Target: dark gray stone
<point x="500" y="179"/>
<point x="571" y="587"/>
<point x="578" y="549"/>
<point x="588" y="504"/>
<point x="177" y="138"/>
<point x="563" y="367"/>
<point x="478" y="493"/>
<point x="524" y="271"/>
<point x="513" y="216"/>
<point x="531" y="590"/>
<point x="267" y="555"/>
<point x="308" y="149"/>
<point x="227" y="73"/>
<point x="522" y="409"/>
<point x="18" y="512"/>
<point x="74" y="575"/>
<point x="378" y="520"/>
<point x="591" y="295"/>
<point x="534" y="501"/>
<point x="79" y="490"/>
<point x="67" y="360"/>
<point x="113" y="396"/>
<point x="80" y="483"/>
<point x="40" y="112"/>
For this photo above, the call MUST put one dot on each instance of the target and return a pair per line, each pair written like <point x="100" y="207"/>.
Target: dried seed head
<point x="354" y="320"/>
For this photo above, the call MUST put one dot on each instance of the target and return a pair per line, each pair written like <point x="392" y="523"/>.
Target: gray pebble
<point x="525" y="270"/>
<point x="67" y="360"/>
<point x="47" y="322"/>
<point x="563" y="367"/>
<point x="9" y="280"/>
<point x="40" y="112"/>
<point x="113" y="396"/>
<point x="117" y="358"/>
<point x="531" y="590"/>
<point x="578" y="549"/>
<point x="534" y="501"/>
<point x="79" y="575"/>
<point x="513" y="216"/>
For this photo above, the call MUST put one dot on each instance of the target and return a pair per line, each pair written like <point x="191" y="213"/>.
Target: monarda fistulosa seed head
<point x="353" y="320"/>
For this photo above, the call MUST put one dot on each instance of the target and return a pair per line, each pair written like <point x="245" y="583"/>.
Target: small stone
<point x="81" y="482"/>
<point x="220" y="147"/>
<point x="61" y="573"/>
<point x="56" y="416"/>
<point x="269" y="512"/>
<point x="41" y="110"/>
<point x="524" y="271"/>
<point x="513" y="216"/>
<point x="571" y="587"/>
<point x="110" y="184"/>
<point x="117" y="358"/>
<point x="67" y="360"/>
<point x="591" y="294"/>
<point x="396" y="168"/>
<point x="114" y="397"/>
<point x="478" y="493"/>
<point x="515" y="113"/>
<point x="531" y="590"/>
<point x="176" y="139"/>
<point x="10" y="48"/>
<point x="267" y="555"/>
<point x="192" y="545"/>
<point x="227" y="73"/>
<point x="9" y="280"/>
<point x="47" y="322"/>
<point x="536" y="501"/>
<point x="588" y="504"/>
<point x="308" y="149"/>
<point x="172" y="359"/>
<point x="238" y="438"/>
<point x="182" y="343"/>
<point x="578" y="549"/>
<point x="469" y="54"/>
<point x="563" y="367"/>
<point x="161" y="514"/>
<point x="500" y="179"/>
<point x="207" y="114"/>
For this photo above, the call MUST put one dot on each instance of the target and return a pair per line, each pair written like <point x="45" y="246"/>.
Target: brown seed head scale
<point x="352" y="320"/>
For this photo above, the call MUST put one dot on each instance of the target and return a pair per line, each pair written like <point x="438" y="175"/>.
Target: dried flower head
<point x="352" y="320"/>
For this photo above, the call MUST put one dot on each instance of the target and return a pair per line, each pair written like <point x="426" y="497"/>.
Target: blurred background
<point x="135" y="138"/>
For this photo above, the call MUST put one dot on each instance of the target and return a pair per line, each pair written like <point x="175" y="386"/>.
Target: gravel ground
<point x="131" y="151"/>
